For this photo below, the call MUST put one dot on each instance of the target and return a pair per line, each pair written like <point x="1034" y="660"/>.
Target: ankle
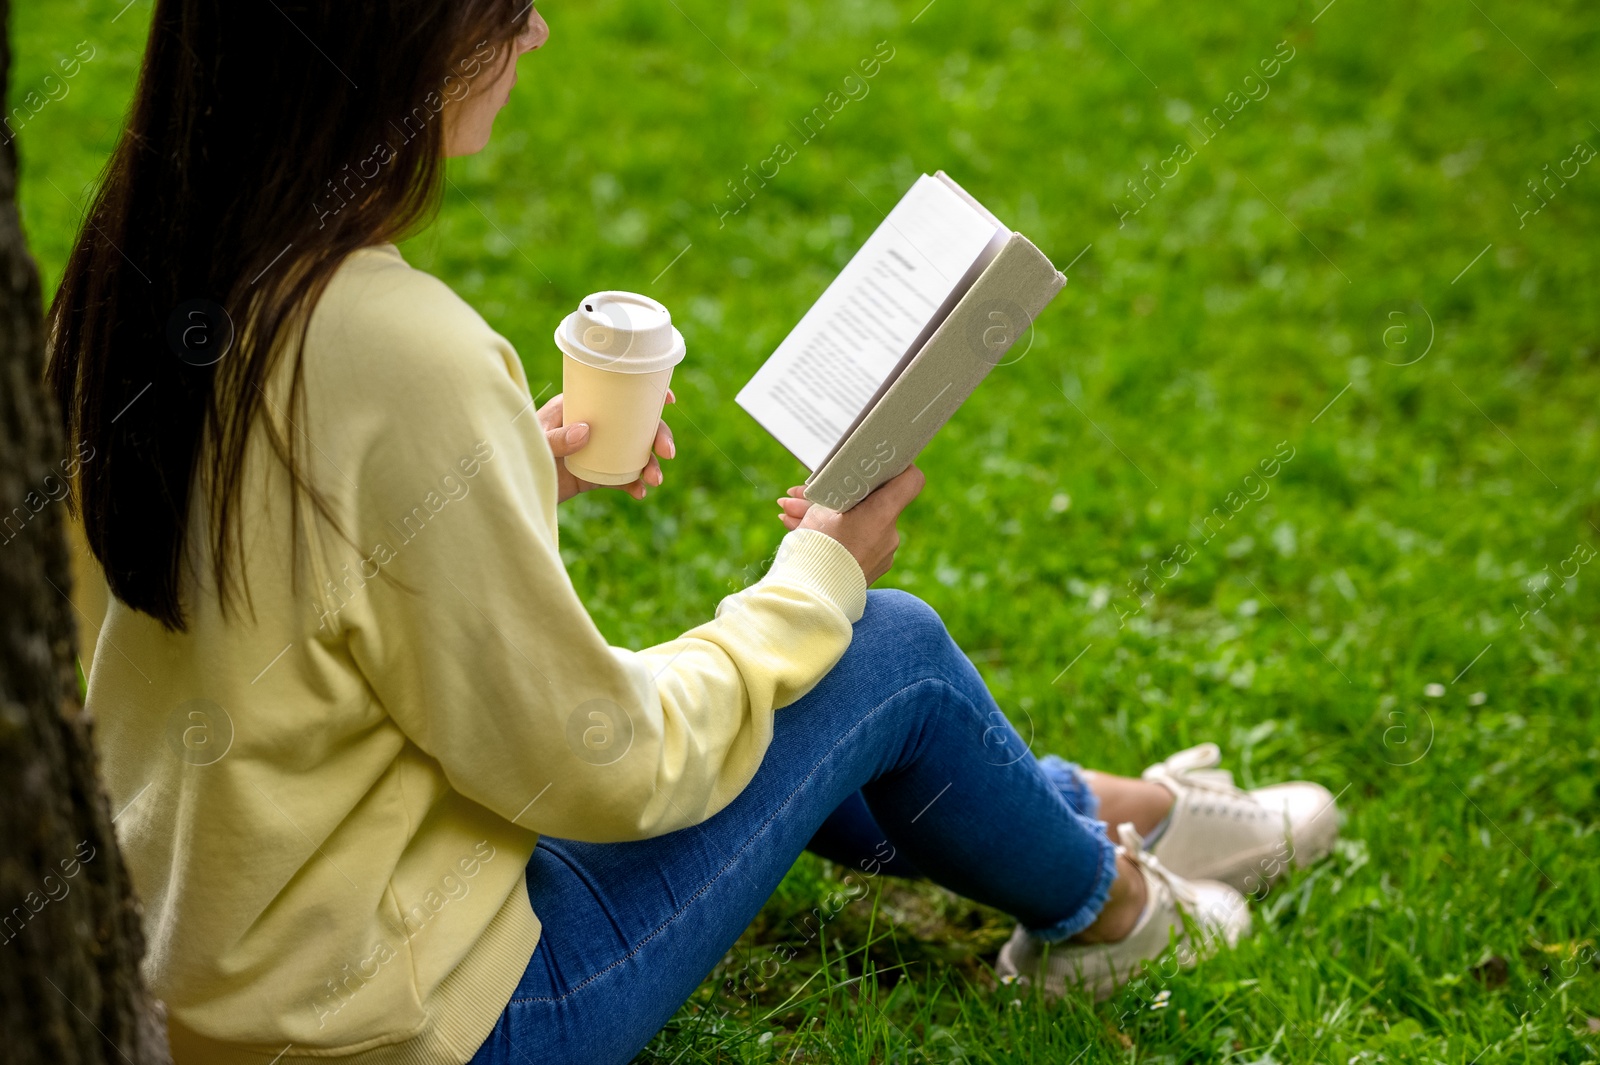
<point x="1124" y="906"/>
<point x="1144" y="803"/>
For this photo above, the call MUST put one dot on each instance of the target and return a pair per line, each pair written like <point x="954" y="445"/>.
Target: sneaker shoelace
<point x="1198" y="935"/>
<point x="1133" y="847"/>
<point x="1196" y="769"/>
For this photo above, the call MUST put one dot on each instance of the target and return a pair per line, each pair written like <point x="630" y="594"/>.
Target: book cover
<point x="972" y="339"/>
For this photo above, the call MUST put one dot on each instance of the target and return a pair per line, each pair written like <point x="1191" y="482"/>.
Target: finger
<point x="636" y="489"/>
<point x="670" y="397"/>
<point x="665" y="446"/>
<point x="798" y="491"/>
<point x="651" y="474"/>
<point x="789" y="523"/>
<point x="567" y="439"/>
<point x="550" y="415"/>
<point x="795" y="508"/>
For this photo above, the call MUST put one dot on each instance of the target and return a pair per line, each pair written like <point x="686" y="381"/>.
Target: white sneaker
<point x="1245" y="839"/>
<point x="1193" y="918"/>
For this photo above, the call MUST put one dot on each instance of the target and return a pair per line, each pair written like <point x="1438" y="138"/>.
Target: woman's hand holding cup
<point x="867" y="530"/>
<point x="570" y="439"/>
<point x="618" y="351"/>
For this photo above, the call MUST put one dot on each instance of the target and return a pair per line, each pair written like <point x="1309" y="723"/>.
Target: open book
<point x="932" y="301"/>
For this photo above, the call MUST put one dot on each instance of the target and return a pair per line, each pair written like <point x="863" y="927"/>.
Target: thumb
<point x="564" y="440"/>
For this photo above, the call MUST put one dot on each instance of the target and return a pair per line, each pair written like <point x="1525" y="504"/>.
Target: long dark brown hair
<point x="266" y="141"/>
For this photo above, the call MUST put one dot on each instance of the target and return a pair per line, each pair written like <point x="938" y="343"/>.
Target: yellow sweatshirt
<point x="327" y="798"/>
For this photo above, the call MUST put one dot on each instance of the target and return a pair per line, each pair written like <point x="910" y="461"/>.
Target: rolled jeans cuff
<point x="1068" y="779"/>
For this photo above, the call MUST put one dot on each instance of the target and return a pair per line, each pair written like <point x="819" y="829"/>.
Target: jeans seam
<point x="742" y="848"/>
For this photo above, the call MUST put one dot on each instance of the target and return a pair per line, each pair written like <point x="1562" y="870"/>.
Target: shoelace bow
<point x="1195" y="768"/>
<point x="1133" y="846"/>
<point x="1182" y="890"/>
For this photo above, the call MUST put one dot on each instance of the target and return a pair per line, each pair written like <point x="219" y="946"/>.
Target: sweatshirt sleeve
<point x="470" y="632"/>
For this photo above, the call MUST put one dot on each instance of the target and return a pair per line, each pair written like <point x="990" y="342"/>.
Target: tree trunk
<point x="70" y="941"/>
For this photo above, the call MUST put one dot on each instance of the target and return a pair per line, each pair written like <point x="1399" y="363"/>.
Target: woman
<point x="386" y="792"/>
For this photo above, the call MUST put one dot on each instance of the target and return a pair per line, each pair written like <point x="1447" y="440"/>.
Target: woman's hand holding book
<point x="867" y="530"/>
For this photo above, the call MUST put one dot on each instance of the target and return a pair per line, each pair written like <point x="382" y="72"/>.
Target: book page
<point x="852" y="340"/>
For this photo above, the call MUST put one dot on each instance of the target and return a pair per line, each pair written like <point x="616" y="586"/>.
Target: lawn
<point x="1350" y="283"/>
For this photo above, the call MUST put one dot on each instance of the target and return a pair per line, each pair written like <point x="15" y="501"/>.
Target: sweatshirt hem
<point x="462" y="1010"/>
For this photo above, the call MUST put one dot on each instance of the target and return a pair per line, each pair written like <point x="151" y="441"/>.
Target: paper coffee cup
<point x="618" y="350"/>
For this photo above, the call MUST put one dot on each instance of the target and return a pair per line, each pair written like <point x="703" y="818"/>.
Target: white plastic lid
<point x="623" y="332"/>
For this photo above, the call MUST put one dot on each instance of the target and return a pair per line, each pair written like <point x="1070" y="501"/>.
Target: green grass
<point x="1245" y="306"/>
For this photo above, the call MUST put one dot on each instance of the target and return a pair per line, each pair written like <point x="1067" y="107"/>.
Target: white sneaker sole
<point x="1102" y="969"/>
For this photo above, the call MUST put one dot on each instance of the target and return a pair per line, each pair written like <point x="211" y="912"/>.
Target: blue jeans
<point x="901" y="734"/>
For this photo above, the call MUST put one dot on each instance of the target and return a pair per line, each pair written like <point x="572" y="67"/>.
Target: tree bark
<point x="70" y="941"/>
